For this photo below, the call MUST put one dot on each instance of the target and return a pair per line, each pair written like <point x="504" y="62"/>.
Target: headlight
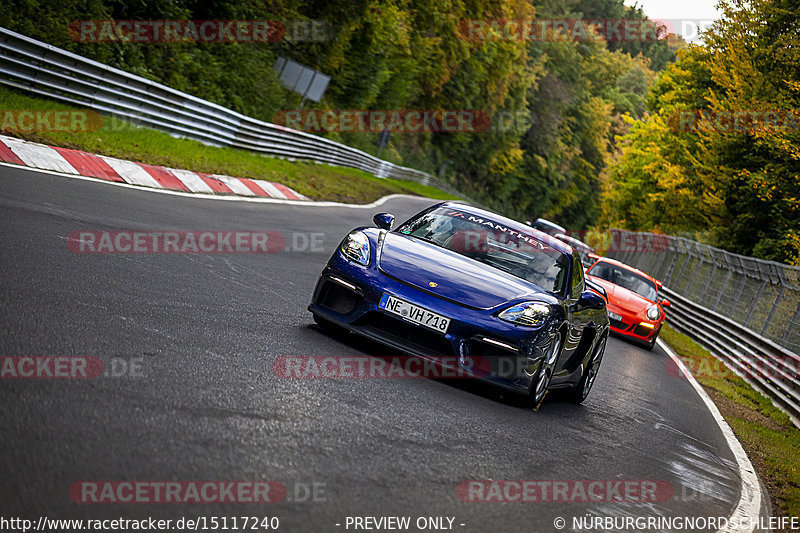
<point x="653" y="313"/>
<point x="526" y="314"/>
<point x="356" y="248"/>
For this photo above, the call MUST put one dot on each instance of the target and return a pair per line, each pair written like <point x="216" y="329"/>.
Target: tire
<point x="580" y="392"/>
<point x="543" y="376"/>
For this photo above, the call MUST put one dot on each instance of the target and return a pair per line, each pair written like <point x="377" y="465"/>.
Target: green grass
<point x="766" y="432"/>
<point x="122" y="140"/>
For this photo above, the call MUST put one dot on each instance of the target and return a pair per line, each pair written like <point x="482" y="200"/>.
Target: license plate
<point x="614" y="316"/>
<point x="414" y="313"/>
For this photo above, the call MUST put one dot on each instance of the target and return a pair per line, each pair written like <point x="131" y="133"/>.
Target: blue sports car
<point x="470" y="289"/>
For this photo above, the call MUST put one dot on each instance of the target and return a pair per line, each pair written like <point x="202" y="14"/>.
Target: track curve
<point x="206" y="329"/>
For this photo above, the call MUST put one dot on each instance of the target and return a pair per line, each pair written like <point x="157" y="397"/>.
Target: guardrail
<point x="769" y="368"/>
<point x="49" y="71"/>
<point x="731" y="295"/>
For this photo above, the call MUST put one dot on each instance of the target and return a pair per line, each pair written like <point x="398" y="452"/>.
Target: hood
<point x="457" y="278"/>
<point x="622" y="297"/>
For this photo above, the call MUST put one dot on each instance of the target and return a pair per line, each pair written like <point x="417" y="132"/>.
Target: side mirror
<point x="384" y="220"/>
<point x="592" y="299"/>
<point x="665" y="303"/>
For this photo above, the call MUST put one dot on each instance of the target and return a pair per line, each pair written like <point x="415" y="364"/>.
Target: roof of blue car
<point x="554" y="243"/>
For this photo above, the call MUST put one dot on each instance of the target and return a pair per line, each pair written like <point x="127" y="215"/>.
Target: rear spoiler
<point x="591" y="285"/>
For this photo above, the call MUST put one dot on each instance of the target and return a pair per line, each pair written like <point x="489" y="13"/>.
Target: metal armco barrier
<point x="745" y="311"/>
<point x="770" y="369"/>
<point x="49" y="71"/>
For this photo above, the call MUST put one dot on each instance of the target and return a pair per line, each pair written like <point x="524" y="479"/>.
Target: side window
<point x="576" y="285"/>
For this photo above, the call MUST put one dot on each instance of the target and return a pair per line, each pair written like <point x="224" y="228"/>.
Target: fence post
<point x="755" y="302"/>
<point x="708" y="282"/>
<point x="683" y="267"/>
<point x="694" y="274"/>
<point x="671" y="269"/>
<point x="792" y="322"/>
<point x="722" y="290"/>
<point x="738" y="295"/>
<point x="774" y="308"/>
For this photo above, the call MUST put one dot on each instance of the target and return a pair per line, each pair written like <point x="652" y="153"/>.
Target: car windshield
<point x="625" y="278"/>
<point x="497" y="245"/>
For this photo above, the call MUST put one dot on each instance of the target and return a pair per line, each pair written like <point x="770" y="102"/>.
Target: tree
<point x="708" y="160"/>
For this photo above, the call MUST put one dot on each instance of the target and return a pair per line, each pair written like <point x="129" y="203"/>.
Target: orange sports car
<point x="635" y="308"/>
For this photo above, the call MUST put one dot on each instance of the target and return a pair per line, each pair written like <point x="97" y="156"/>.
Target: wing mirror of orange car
<point x="384" y="220"/>
<point x="665" y="304"/>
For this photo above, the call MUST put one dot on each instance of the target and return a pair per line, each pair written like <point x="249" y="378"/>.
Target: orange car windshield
<point x="625" y="279"/>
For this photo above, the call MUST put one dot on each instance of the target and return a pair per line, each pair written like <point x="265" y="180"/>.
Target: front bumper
<point x="630" y="325"/>
<point x="477" y="344"/>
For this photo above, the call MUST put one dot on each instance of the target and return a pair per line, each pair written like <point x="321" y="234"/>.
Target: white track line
<point x="225" y="198"/>
<point x="749" y="507"/>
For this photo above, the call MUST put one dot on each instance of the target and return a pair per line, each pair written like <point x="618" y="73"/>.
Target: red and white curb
<point x="40" y="156"/>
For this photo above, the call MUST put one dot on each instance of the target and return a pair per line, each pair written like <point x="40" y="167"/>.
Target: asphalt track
<point x="206" y="329"/>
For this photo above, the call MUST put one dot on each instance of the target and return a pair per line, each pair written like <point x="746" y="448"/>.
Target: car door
<point x="577" y="317"/>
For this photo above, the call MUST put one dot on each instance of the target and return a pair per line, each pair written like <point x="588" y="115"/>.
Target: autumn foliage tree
<point x="718" y="157"/>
